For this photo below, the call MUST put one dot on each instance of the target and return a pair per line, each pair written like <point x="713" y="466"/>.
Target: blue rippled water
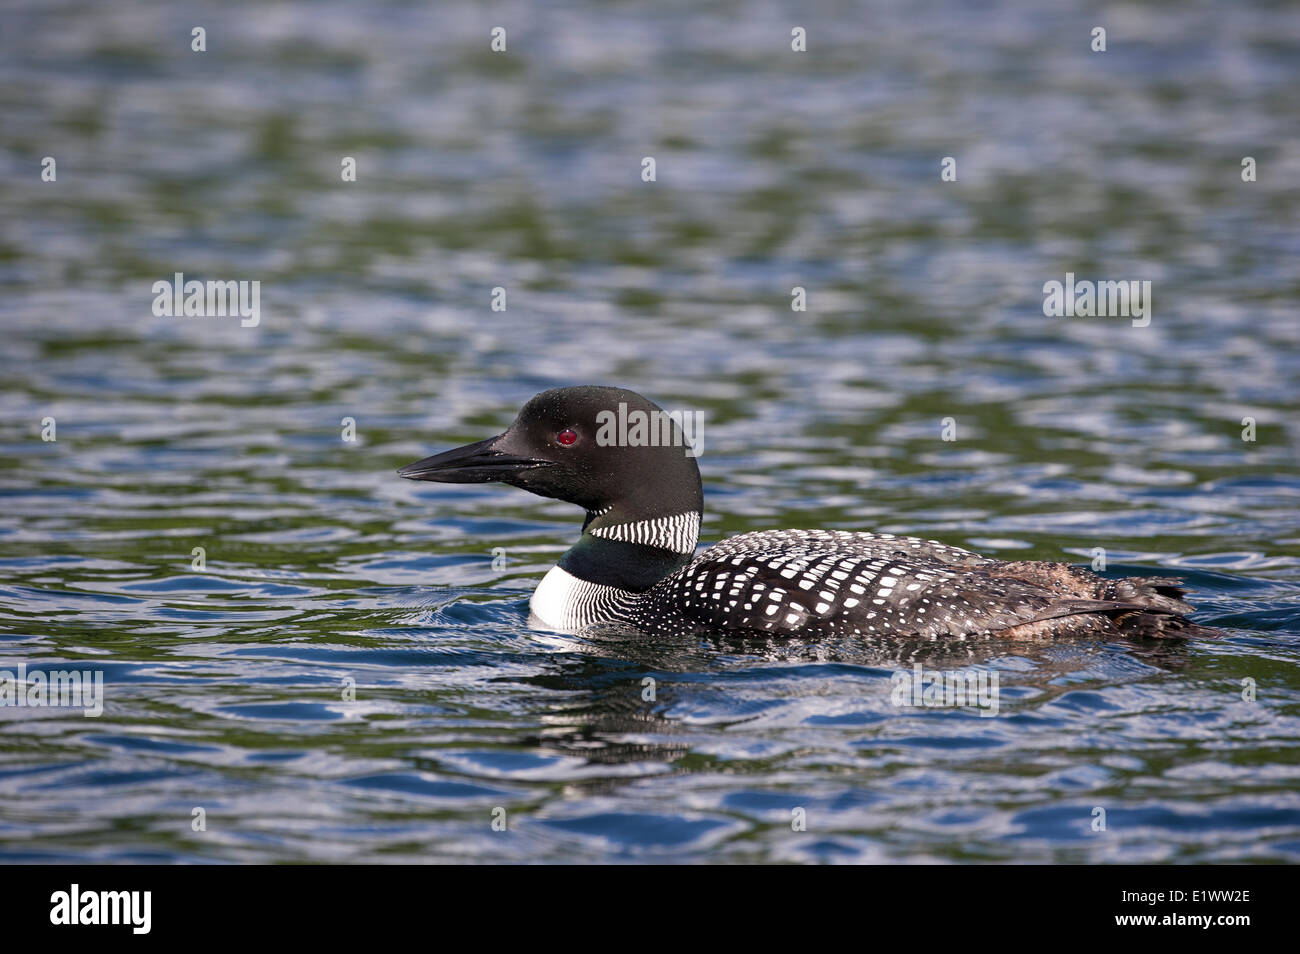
<point x="323" y="571"/>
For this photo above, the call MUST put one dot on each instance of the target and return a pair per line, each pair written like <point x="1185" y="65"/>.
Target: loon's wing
<point x="806" y="582"/>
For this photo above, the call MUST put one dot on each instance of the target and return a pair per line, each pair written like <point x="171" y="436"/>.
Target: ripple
<point x="350" y="677"/>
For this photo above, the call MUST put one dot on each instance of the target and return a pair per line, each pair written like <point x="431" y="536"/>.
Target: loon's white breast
<point x="566" y="604"/>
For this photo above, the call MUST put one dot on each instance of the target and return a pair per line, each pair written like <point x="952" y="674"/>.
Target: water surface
<point x="522" y="170"/>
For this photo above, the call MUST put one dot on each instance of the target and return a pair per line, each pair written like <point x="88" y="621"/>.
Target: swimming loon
<point x="636" y="566"/>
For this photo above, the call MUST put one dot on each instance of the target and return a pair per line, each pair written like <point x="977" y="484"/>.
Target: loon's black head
<point x="580" y="444"/>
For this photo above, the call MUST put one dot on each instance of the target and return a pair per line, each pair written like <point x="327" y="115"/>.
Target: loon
<point x="635" y="564"/>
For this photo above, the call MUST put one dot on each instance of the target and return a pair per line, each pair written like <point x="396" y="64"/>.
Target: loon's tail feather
<point x="1107" y="618"/>
<point x="1154" y="592"/>
<point x="1148" y="607"/>
<point x="1164" y="606"/>
<point x="1159" y="625"/>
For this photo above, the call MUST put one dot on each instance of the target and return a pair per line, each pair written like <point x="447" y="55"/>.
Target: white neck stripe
<point x="679" y="533"/>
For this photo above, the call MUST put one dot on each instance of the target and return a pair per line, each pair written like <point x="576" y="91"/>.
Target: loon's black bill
<point x="472" y="464"/>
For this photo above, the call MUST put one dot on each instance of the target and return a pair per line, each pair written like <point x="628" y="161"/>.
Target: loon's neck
<point x="632" y="555"/>
<point x="611" y="563"/>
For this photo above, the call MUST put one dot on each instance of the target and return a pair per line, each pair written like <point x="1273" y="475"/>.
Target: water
<point x="775" y="169"/>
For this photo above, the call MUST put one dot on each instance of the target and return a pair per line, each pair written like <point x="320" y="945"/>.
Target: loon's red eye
<point x="567" y="436"/>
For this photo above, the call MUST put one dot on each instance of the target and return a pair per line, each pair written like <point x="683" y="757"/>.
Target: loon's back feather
<point x="821" y="582"/>
<point x="765" y="543"/>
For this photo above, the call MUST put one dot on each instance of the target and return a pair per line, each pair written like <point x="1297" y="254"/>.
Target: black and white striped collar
<point x="678" y="533"/>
